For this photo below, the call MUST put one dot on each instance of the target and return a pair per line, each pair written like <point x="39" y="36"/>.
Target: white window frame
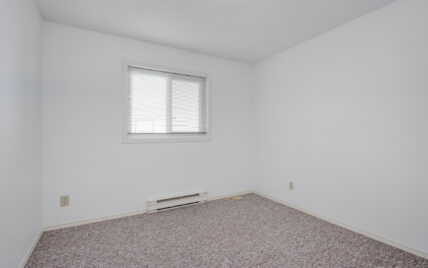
<point x="150" y="138"/>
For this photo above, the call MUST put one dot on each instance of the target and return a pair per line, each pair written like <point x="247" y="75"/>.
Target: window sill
<point x="148" y="138"/>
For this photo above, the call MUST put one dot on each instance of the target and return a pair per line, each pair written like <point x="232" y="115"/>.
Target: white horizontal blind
<point x="166" y="103"/>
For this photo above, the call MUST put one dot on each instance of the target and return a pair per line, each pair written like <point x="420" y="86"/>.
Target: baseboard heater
<point x="175" y="201"/>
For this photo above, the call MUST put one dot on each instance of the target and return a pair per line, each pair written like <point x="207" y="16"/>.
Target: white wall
<point x="344" y="116"/>
<point x="21" y="129"/>
<point x="84" y="154"/>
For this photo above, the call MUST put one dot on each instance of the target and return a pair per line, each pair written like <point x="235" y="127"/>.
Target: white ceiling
<point x="246" y="30"/>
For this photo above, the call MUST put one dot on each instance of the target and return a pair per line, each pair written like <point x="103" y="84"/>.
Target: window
<point x="165" y="105"/>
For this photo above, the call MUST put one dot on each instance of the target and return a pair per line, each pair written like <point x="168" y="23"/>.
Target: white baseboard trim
<point x="126" y="214"/>
<point x="346" y="226"/>
<point x="83" y="222"/>
<point x="211" y="198"/>
<point x="31" y="249"/>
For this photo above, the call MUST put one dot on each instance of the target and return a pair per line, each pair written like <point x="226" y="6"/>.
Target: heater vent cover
<point x="175" y="201"/>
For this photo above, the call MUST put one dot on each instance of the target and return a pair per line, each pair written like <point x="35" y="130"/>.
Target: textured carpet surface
<point x="250" y="232"/>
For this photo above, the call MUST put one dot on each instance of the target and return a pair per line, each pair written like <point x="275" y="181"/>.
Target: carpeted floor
<point x="251" y="232"/>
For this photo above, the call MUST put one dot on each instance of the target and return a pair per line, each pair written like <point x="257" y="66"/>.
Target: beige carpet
<point x="250" y="232"/>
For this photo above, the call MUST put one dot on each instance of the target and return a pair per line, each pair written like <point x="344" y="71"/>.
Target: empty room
<point x="213" y="133"/>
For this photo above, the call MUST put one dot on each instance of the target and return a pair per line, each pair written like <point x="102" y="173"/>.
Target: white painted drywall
<point x="21" y="129"/>
<point x="229" y="28"/>
<point x="84" y="153"/>
<point x="345" y="116"/>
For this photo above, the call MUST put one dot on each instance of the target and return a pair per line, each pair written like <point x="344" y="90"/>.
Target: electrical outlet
<point x="291" y="185"/>
<point x="64" y="200"/>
